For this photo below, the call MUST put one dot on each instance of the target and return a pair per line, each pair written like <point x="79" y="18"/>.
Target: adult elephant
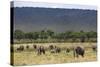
<point x="35" y="46"/>
<point x="56" y="50"/>
<point x="79" y="50"/>
<point x="51" y="47"/>
<point x="41" y="50"/>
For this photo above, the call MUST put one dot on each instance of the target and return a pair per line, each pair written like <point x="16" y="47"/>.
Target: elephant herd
<point x="78" y="50"/>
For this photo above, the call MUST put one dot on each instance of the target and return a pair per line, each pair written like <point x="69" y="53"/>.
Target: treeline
<point x="50" y="36"/>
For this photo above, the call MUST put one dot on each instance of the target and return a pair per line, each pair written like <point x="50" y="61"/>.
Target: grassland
<point x="31" y="58"/>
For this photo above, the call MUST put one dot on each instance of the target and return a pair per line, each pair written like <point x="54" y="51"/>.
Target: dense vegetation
<point x="50" y="36"/>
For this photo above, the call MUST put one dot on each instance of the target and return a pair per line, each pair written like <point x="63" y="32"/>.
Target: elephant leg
<point x="82" y="55"/>
<point x="44" y="52"/>
<point x="39" y="53"/>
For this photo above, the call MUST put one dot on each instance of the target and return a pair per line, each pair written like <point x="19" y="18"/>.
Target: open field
<point x="30" y="57"/>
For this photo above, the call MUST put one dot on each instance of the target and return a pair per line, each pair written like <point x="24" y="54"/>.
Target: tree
<point x="68" y="34"/>
<point x="50" y="33"/>
<point x="43" y="35"/>
<point x="18" y="34"/>
<point x="35" y="35"/>
<point x="82" y="36"/>
<point x="91" y="34"/>
<point x="32" y="35"/>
